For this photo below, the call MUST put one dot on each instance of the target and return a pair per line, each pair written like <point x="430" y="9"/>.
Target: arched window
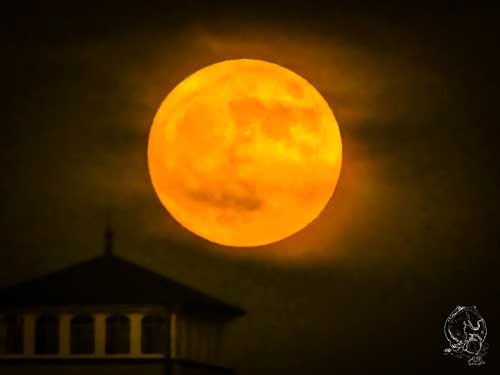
<point x="82" y="334"/>
<point x="155" y="334"/>
<point x="117" y="334"/>
<point x="11" y="334"/>
<point x="47" y="334"/>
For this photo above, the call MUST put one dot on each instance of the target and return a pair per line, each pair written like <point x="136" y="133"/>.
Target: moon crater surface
<point x="244" y="153"/>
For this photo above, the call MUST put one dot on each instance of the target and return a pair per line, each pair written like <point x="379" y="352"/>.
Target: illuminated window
<point x="47" y="334"/>
<point x="11" y="334"/>
<point x="155" y="334"/>
<point x="82" y="334"/>
<point x="117" y="334"/>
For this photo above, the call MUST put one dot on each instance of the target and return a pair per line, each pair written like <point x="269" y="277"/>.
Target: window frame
<point x="154" y="327"/>
<point x="118" y="332"/>
<point x="81" y="334"/>
<point x="47" y="334"/>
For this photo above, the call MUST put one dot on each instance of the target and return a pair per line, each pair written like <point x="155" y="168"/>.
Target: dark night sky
<point x="410" y="232"/>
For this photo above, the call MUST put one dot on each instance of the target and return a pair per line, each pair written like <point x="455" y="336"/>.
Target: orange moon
<point x="244" y="153"/>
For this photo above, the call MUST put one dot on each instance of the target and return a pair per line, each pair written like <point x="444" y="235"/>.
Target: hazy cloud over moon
<point x="387" y="101"/>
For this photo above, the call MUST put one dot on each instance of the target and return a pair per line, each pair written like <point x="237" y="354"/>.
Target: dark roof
<point x="110" y="280"/>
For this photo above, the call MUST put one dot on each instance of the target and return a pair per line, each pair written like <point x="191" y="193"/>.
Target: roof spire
<point x="108" y="237"/>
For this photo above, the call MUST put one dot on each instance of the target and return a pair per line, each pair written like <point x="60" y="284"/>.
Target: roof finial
<point x="108" y="237"/>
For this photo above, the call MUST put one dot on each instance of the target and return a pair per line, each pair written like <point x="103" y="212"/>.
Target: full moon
<point x="244" y="153"/>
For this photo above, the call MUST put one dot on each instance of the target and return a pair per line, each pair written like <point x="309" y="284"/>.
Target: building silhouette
<point x="110" y="316"/>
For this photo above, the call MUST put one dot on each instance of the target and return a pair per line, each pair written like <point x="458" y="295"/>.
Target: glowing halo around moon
<point x="244" y="153"/>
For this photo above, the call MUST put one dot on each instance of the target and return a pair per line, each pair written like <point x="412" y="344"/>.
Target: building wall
<point x="82" y="368"/>
<point x="196" y="339"/>
<point x="134" y="315"/>
<point x="110" y="368"/>
<point x="194" y="347"/>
